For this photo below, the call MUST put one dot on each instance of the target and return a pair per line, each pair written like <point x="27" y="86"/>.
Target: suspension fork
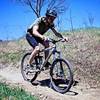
<point x="60" y="69"/>
<point x="54" y="52"/>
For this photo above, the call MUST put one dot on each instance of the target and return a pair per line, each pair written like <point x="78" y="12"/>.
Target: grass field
<point x="8" y="93"/>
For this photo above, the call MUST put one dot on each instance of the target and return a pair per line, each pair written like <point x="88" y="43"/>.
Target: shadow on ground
<point x="46" y="83"/>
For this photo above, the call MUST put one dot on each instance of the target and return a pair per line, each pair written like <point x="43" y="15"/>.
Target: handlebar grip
<point x="55" y="41"/>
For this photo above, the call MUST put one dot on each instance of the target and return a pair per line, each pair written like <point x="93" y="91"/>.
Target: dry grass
<point x="82" y="50"/>
<point x="85" y="56"/>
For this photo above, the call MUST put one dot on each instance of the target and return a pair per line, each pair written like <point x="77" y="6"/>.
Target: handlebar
<point x="55" y="41"/>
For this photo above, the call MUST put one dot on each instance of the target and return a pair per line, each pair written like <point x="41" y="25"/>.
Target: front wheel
<point x="61" y="75"/>
<point x="28" y="72"/>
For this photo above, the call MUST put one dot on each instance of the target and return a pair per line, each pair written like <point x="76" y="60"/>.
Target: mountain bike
<point x="61" y="76"/>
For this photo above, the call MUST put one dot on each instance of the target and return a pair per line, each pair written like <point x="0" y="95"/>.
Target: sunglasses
<point x="51" y="18"/>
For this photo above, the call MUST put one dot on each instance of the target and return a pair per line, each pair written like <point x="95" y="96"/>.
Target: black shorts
<point x="33" y="41"/>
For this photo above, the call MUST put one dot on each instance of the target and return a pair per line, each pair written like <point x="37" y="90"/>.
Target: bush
<point x="8" y="93"/>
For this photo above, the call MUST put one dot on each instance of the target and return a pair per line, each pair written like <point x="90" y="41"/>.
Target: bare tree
<point x="59" y="5"/>
<point x="71" y="21"/>
<point x="90" y="19"/>
<point x="89" y="22"/>
<point x="85" y="23"/>
<point x="36" y="5"/>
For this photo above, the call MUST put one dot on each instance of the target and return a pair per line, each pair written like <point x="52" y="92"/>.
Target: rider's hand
<point x="65" y="39"/>
<point x="45" y="38"/>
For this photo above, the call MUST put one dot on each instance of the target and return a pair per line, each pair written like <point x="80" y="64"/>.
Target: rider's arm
<point x="56" y="33"/>
<point x="36" y="33"/>
<point x="59" y="35"/>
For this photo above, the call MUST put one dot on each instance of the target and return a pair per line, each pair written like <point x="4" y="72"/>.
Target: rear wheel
<point x="61" y="76"/>
<point x="28" y="72"/>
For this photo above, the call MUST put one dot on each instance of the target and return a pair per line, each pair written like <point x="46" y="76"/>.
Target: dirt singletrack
<point x="13" y="77"/>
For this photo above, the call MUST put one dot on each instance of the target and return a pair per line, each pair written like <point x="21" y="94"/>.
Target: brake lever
<point x="63" y="40"/>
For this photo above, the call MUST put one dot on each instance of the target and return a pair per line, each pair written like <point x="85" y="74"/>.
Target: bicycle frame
<point x="61" y="76"/>
<point x="53" y="52"/>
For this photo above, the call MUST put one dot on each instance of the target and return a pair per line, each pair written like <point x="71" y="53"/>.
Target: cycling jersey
<point x="41" y="22"/>
<point x="34" y="40"/>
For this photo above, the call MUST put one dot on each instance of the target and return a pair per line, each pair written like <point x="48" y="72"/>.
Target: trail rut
<point x="13" y="76"/>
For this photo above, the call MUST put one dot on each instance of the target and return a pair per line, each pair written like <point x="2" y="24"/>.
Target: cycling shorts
<point x="33" y="41"/>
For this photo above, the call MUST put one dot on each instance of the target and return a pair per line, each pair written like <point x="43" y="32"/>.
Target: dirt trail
<point x="79" y="92"/>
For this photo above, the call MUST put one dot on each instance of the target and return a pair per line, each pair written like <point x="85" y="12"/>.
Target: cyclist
<point x="35" y="33"/>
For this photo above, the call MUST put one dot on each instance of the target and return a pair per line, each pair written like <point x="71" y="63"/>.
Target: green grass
<point x="8" y="93"/>
<point x="12" y="57"/>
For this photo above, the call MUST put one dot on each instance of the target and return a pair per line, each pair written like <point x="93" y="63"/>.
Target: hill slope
<point x="82" y="50"/>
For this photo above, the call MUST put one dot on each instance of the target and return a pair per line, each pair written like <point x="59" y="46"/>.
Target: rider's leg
<point x="46" y="45"/>
<point x="35" y="45"/>
<point x="33" y="54"/>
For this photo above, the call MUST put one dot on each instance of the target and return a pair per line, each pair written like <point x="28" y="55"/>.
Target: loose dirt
<point x="13" y="77"/>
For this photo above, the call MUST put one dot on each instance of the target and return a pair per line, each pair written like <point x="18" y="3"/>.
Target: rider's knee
<point x="46" y="45"/>
<point x="37" y="48"/>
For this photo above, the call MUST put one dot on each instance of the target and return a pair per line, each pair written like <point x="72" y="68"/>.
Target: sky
<point x="15" y="18"/>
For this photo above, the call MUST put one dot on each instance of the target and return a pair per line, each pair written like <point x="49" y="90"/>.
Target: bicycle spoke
<point x="61" y="76"/>
<point x="28" y="72"/>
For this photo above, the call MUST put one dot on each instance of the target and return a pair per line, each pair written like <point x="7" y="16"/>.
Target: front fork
<point x="58" y="69"/>
<point x="56" y="54"/>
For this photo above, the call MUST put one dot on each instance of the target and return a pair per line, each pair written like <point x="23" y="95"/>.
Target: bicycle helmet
<point x="51" y="13"/>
